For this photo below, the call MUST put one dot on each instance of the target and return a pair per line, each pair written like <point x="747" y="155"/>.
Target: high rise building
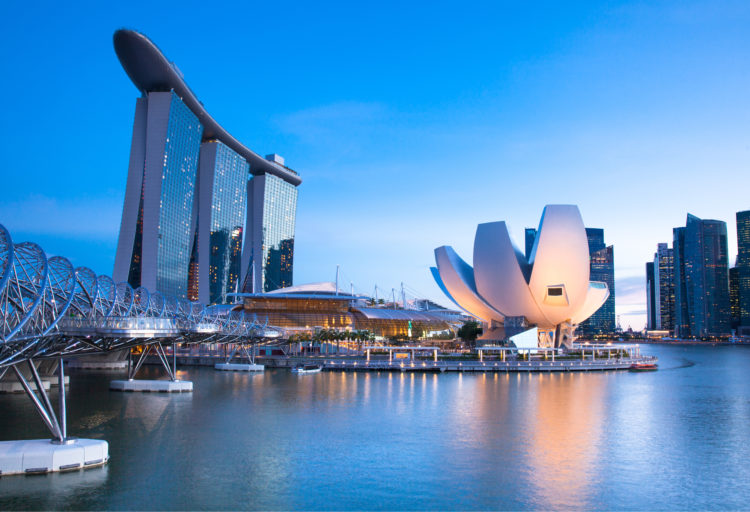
<point x="664" y="288"/>
<point x="222" y="199"/>
<point x="701" y="277"/>
<point x="155" y="233"/>
<point x="269" y="244"/>
<point x="595" y="238"/>
<point x="743" y="269"/>
<point x="188" y="224"/>
<point x="530" y="236"/>
<point x="602" y="268"/>
<point x="650" y="297"/>
<point x="681" y="317"/>
<point x="734" y="297"/>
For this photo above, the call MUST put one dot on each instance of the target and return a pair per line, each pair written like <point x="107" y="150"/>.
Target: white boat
<point x="308" y="368"/>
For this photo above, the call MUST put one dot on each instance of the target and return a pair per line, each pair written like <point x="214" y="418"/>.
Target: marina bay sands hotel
<point x="204" y="215"/>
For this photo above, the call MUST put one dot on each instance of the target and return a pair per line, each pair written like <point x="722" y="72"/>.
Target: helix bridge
<point x="50" y="309"/>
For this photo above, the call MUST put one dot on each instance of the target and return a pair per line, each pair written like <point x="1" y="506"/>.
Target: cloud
<point x="83" y="218"/>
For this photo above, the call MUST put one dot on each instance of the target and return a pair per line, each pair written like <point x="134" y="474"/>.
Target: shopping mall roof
<point x="399" y="314"/>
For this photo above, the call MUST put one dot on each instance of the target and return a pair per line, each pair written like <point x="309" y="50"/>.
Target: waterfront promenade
<point x="356" y="363"/>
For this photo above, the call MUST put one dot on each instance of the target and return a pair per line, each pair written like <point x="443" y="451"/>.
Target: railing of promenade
<point x="49" y="308"/>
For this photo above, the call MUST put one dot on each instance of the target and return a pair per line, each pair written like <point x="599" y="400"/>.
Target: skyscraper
<point x="155" y="233"/>
<point x="187" y="225"/>
<point x="222" y="199"/>
<point x="595" y="237"/>
<point x="681" y="317"/>
<point x="602" y="268"/>
<point x="664" y="287"/>
<point x="701" y="278"/>
<point x="530" y="236"/>
<point x="743" y="269"/>
<point x="650" y="297"/>
<point x="734" y="297"/>
<point x="269" y="243"/>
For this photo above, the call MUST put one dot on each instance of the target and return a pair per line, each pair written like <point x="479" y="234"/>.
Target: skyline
<point x="571" y="102"/>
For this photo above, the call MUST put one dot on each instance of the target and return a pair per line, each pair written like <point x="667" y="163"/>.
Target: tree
<point x="469" y="331"/>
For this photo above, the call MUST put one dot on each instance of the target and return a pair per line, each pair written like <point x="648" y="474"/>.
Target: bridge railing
<point x="47" y="306"/>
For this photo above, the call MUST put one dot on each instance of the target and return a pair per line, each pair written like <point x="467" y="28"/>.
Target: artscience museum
<point x="549" y="293"/>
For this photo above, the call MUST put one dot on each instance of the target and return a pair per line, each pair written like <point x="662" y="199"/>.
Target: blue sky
<point x="410" y="124"/>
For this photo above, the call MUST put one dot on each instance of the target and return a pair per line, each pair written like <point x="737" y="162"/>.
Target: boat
<point x="307" y="368"/>
<point x="644" y="367"/>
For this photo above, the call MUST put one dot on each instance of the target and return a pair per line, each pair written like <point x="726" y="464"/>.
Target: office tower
<point x="650" y="297"/>
<point x="183" y="229"/>
<point x="734" y="297"/>
<point x="681" y="317"/>
<point x="701" y="277"/>
<point x="595" y="238"/>
<point x="743" y="268"/>
<point x="602" y="268"/>
<point x="664" y="287"/>
<point x="530" y="235"/>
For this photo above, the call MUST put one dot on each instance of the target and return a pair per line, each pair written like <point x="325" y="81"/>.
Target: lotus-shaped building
<point x="509" y="294"/>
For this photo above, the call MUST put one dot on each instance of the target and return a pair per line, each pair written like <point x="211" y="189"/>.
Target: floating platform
<point x="239" y="367"/>
<point x="13" y="386"/>
<point x="38" y="456"/>
<point x="152" y="386"/>
<point x="98" y="365"/>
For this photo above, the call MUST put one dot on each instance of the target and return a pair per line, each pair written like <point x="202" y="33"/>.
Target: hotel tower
<point x="203" y="215"/>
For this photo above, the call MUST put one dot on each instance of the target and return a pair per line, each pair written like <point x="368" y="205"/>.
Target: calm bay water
<point x="678" y="438"/>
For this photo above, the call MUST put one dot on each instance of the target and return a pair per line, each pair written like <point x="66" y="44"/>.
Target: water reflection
<point x="338" y="440"/>
<point x="565" y="423"/>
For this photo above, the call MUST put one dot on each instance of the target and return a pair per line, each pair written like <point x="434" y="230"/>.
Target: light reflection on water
<point x="674" y="439"/>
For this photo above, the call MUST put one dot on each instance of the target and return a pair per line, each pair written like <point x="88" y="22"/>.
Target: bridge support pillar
<point x="240" y="365"/>
<point x="62" y="453"/>
<point x="170" y="385"/>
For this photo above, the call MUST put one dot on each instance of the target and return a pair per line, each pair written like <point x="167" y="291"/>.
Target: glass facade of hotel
<point x="229" y="200"/>
<point x="175" y="182"/>
<point x="184" y="230"/>
<point x="279" y="215"/>
<point x="182" y="145"/>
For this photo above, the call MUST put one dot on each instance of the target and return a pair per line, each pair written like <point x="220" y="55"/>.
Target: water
<point x="678" y="438"/>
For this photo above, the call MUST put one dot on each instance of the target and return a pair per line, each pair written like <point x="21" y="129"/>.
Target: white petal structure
<point x="551" y="290"/>
<point x="597" y="295"/>
<point x="458" y="279"/>
<point x="501" y="271"/>
<point x="560" y="264"/>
